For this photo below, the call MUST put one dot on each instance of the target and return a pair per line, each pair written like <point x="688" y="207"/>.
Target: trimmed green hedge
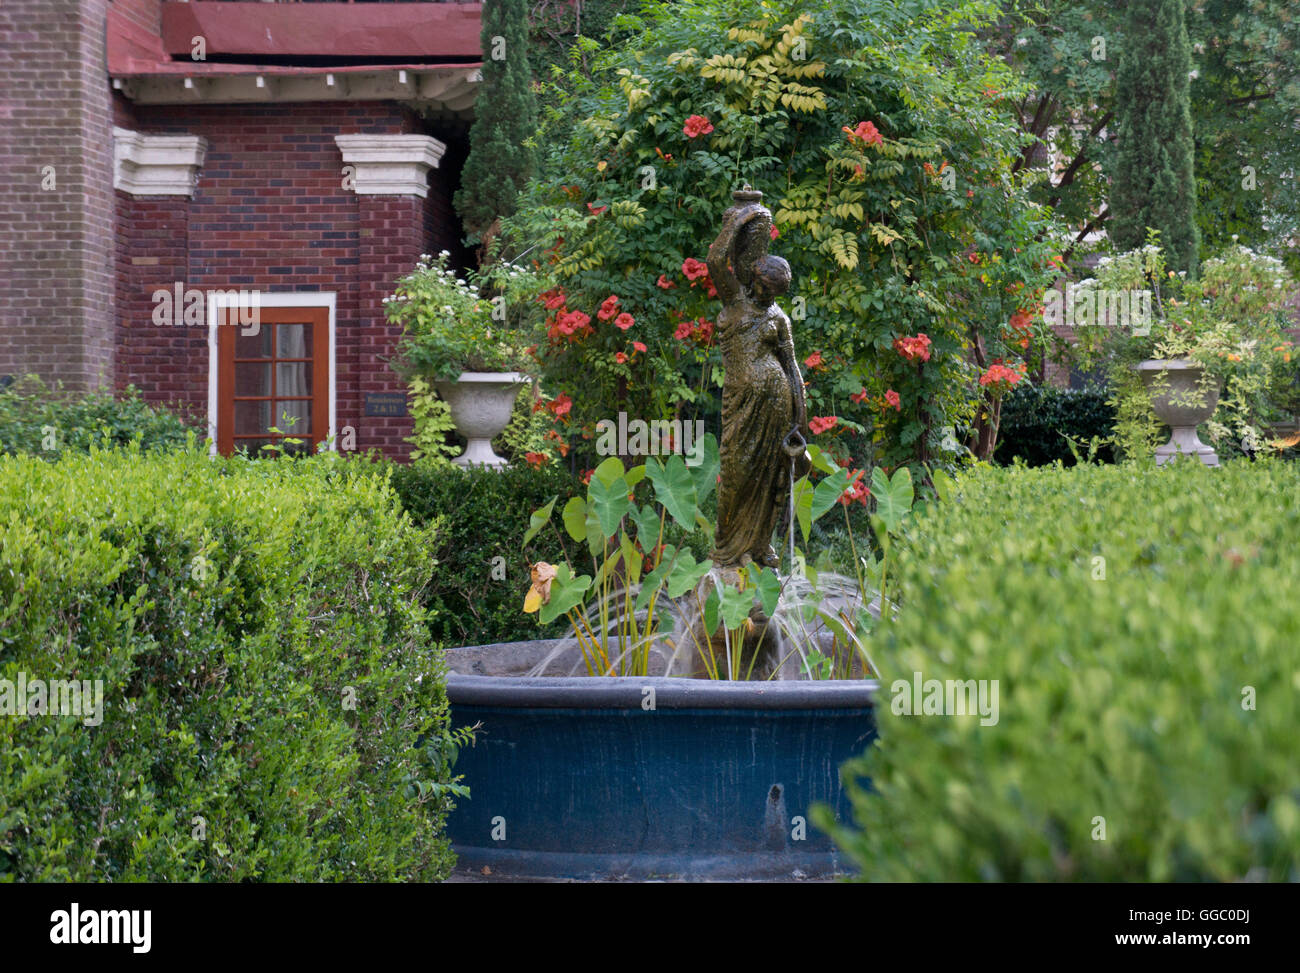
<point x="33" y="420"/>
<point x="1035" y="416"/>
<point x="482" y="515"/>
<point x="233" y="611"/>
<point x="1145" y="635"/>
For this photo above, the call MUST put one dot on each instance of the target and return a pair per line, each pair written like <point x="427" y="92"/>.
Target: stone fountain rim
<point x="627" y="692"/>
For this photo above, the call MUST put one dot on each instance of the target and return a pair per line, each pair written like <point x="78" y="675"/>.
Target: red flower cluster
<point x="665" y="283"/>
<point x="999" y="379"/>
<point x="914" y="349"/>
<point x="570" y="324"/>
<point x="819" y="424"/>
<point x="696" y="270"/>
<point x="624" y="321"/>
<point x="859" y="397"/>
<point x="553" y="299"/>
<point x="866" y="133"/>
<point x="700" y="330"/>
<point x="892" y="399"/>
<point x="814" y="362"/>
<point x="608" y="307"/>
<point x="857" y="490"/>
<point x="1022" y="325"/>
<point x="560" y="406"/>
<point x="536" y="459"/>
<point x="697" y="125"/>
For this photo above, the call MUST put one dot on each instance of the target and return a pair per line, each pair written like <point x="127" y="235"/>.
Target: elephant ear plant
<point x="634" y="592"/>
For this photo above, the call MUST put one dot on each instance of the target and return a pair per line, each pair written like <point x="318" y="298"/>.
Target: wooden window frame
<point x="315" y="309"/>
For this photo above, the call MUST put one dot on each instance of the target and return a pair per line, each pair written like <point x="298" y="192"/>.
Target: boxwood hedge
<point x="265" y="668"/>
<point x="1143" y="628"/>
<point x="1036" y="419"/>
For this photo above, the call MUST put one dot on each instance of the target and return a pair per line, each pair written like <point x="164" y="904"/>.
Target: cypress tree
<point x="505" y="114"/>
<point x="1154" y="183"/>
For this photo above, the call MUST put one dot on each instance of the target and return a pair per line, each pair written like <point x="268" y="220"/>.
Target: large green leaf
<point x="575" y="518"/>
<point x="685" y="574"/>
<point x="736" y="606"/>
<point x="608" y="471"/>
<point x="632" y="558"/>
<point x="828" y="491"/>
<point x="767" y="586"/>
<point x="566" y="594"/>
<point x="893" y="496"/>
<point x="803" y="501"/>
<point x="655" y="578"/>
<point x="611" y="503"/>
<point x="647" y="523"/>
<point x="674" y="488"/>
<point x="539" y="519"/>
<point x="705" y="473"/>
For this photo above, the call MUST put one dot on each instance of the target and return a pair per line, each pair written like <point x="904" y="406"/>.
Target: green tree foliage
<point x="1246" y="102"/>
<point x="1154" y="182"/>
<point x="884" y="139"/>
<point x="501" y="155"/>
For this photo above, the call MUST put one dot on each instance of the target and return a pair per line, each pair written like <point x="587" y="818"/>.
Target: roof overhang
<point x="145" y="68"/>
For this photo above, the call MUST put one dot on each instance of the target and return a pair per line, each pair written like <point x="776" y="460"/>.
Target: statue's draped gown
<point x="757" y="415"/>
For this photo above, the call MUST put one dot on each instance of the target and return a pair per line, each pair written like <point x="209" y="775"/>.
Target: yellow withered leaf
<point x="540" y="593"/>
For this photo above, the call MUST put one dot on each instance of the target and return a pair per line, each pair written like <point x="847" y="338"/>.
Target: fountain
<point x="637" y="770"/>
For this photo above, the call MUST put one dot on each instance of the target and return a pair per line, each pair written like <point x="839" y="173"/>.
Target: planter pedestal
<point x="481" y="404"/>
<point x="1169" y="404"/>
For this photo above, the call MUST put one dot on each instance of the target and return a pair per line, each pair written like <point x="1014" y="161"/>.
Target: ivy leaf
<point x="537" y="520"/>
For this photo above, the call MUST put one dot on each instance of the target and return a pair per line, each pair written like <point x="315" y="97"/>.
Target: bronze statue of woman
<point x="762" y="393"/>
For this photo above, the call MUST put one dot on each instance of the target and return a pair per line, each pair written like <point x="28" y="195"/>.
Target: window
<point x="272" y="381"/>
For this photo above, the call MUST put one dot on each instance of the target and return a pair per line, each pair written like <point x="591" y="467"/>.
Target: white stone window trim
<point x="223" y="299"/>
<point x="390" y="165"/>
<point x="157" y="165"/>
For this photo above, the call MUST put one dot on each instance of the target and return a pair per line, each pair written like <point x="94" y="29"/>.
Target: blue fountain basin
<point x="648" y="778"/>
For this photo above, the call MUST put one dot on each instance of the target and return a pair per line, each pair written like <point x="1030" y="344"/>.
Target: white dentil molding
<point x="391" y="165"/>
<point x="157" y="165"/>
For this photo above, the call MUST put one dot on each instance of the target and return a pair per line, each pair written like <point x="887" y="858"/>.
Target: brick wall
<point x="56" y="243"/>
<point x="270" y="213"/>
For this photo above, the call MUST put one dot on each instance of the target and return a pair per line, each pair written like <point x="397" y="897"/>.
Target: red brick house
<point x="209" y="201"/>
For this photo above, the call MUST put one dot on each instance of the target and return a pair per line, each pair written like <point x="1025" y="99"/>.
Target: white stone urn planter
<point x="1170" y="406"/>
<point x="481" y="404"/>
